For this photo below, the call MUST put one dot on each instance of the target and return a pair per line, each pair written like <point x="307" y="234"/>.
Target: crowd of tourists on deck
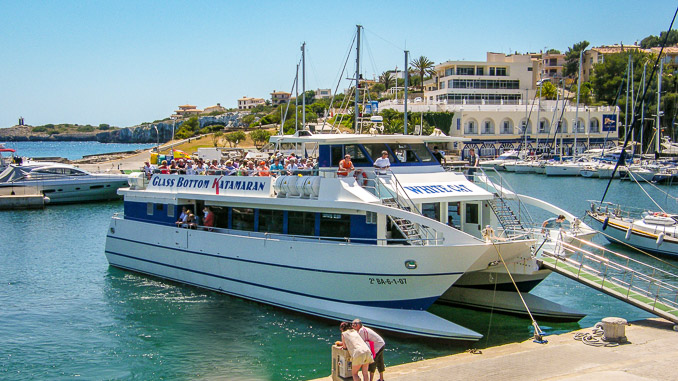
<point x="276" y="165"/>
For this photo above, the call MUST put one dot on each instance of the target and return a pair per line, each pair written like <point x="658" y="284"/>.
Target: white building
<point x="495" y="128"/>
<point x="501" y="79"/>
<point x="246" y="103"/>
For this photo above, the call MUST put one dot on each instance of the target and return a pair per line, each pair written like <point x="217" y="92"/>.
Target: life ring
<point x="357" y="174"/>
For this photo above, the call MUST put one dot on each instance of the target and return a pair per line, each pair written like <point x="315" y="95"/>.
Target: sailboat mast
<point x="303" y="85"/>
<point x="576" y="112"/>
<point x="642" y="113"/>
<point x="406" y="72"/>
<point x="536" y="133"/>
<point x="357" y="80"/>
<point x="626" y="103"/>
<point x="560" y="122"/>
<point x="296" y="102"/>
<point x="659" y="98"/>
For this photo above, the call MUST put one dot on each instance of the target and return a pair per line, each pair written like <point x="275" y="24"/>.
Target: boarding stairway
<point x="508" y="220"/>
<point x="408" y="229"/>
<point x="639" y="284"/>
<point x="392" y="194"/>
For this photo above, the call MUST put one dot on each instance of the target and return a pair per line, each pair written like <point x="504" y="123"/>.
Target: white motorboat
<point x="656" y="232"/>
<point x="568" y="168"/>
<point x="589" y="171"/>
<point x="62" y="183"/>
<point x="499" y="162"/>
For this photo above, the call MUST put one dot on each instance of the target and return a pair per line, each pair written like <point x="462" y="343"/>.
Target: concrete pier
<point x="22" y="201"/>
<point x="650" y="354"/>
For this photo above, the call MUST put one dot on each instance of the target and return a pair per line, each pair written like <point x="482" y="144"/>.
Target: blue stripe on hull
<point x="410" y="304"/>
<point x="279" y="265"/>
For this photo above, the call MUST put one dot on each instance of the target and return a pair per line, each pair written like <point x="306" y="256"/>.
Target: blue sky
<point x="128" y="62"/>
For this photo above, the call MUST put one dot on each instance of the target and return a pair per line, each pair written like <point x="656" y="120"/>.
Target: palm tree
<point x="423" y="66"/>
<point x="386" y="79"/>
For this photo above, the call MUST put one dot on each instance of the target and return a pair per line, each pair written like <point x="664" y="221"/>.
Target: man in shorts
<point x="375" y="342"/>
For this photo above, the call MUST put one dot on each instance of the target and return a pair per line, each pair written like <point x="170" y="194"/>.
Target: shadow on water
<point x="208" y="334"/>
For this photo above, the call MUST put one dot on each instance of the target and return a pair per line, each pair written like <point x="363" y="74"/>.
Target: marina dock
<point x="648" y="355"/>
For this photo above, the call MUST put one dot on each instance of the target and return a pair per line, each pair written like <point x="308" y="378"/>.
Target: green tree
<point x="216" y="137"/>
<point x="104" y="126"/>
<point x="609" y="74"/>
<point x="260" y="137"/>
<point x="386" y="79"/>
<point x="236" y="137"/>
<point x="572" y="58"/>
<point x="187" y="128"/>
<point x="549" y="90"/>
<point x="653" y="41"/>
<point x="553" y="51"/>
<point x="423" y="66"/>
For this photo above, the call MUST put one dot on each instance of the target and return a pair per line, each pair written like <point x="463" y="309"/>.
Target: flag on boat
<point x="179" y="154"/>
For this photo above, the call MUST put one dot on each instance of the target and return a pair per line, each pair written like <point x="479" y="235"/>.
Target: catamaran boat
<point x="651" y="231"/>
<point x="62" y="183"/>
<point x="378" y="245"/>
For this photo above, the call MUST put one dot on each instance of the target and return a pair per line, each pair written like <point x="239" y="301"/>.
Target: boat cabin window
<point x="422" y="151"/>
<point x="335" y="225"/>
<point x="243" y="219"/>
<point x="453" y="214"/>
<point x="337" y="153"/>
<point x="375" y="150"/>
<point x="357" y="155"/>
<point x="471" y="213"/>
<point x="301" y="223"/>
<point x="404" y="153"/>
<point x="149" y="208"/>
<point x="431" y="210"/>
<point x="271" y="221"/>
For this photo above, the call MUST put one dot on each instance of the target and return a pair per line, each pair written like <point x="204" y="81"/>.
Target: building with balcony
<point x="279" y="97"/>
<point x="552" y="66"/>
<point x="502" y="79"/>
<point x="246" y="103"/>
<point x="186" y="111"/>
<point x="323" y="93"/>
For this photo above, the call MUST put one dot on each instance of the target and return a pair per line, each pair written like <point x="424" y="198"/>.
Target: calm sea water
<point x="65" y="313"/>
<point x="70" y="150"/>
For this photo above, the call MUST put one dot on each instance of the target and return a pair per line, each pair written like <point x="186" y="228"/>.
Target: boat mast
<point x="626" y="103"/>
<point x="303" y="85"/>
<point x="536" y="133"/>
<point x="659" y="96"/>
<point x="296" y="102"/>
<point x="576" y="112"/>
<point x="357" y="80"/>
<point x="526" y="124"/>
<point x="560" y="121"/>
<point x="642" y="114"/>
<point x="406" y="72"/>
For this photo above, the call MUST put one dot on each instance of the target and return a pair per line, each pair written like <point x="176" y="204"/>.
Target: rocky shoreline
<point x="146" y="133"/>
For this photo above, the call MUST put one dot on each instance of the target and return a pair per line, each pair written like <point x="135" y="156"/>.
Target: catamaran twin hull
<point x="335" y="281"/>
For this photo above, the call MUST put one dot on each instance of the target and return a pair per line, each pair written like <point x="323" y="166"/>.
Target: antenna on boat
<point x="576" y="112"/>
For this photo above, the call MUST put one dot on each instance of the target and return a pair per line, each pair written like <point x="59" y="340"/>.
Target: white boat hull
<point x="617" y="229"/>
<point x="338" y="281"/>
<point x="562" y="170"/>
<point x="65" y="191"/>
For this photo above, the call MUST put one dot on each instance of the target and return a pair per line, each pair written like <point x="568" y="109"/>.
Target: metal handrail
<point x="615" y="269"/>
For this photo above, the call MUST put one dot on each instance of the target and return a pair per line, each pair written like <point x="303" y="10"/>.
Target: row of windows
<point x="397" y="152"/>
<point x="506" y="127"/>
<point x="483" y="84"/>
<point x="480" y="98"/>
<point x="477" y="70"/>
<point x="277" y="221"/>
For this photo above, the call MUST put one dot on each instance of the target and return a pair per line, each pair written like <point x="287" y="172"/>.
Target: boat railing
<point x="492" y="181"/>
<point x="313" y="238"/>
<point x="617" y="210"/>
<point x="627" y="277"/>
